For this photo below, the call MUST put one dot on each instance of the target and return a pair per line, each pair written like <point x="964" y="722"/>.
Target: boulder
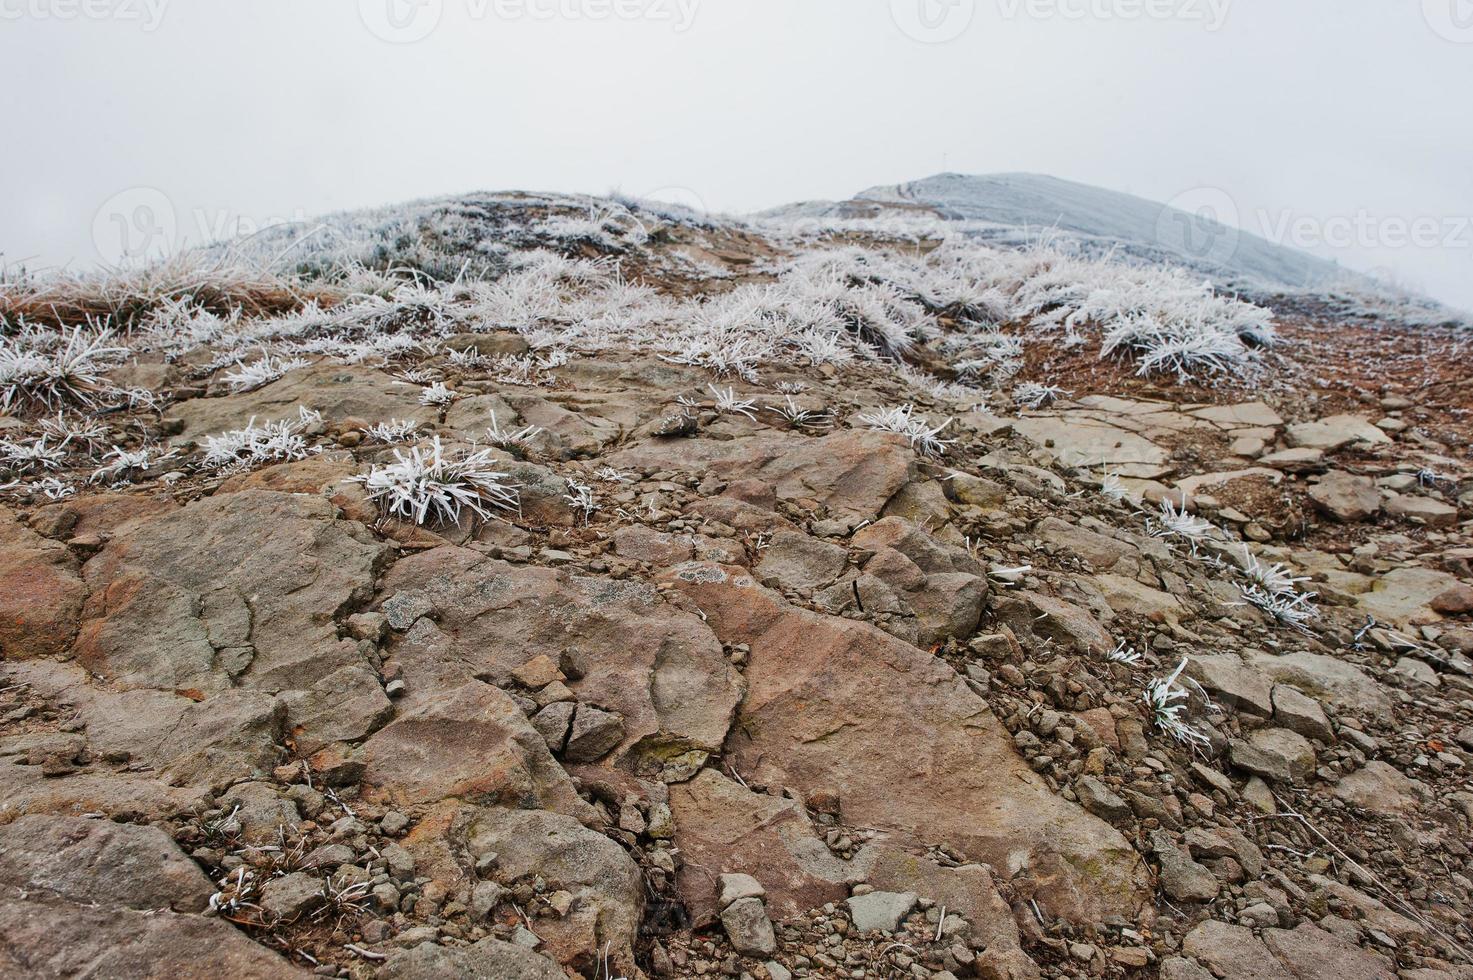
<point x="200" y="599"/>
<point x="748" y="927"/>
<point x="1333" y="432"/>
<point x="1345" y="497"/>
<point x="1276" y="754"/>
<point x="1231" y="951"/>
<point x="489" y="958"/>
<point x="627" y="652"/>
<point x="1422" y="510"/>
<point x="607" y="890"/>
<point x="1309" y="952"/>
<point x="721" y="825"/>
<point x="795" y="561"/>
<point x="48" y="938"/>
<point x="470" y="742"/>
<point x="41" y="593"/>
<point x="880" y="911"/>
<point x="841" y="707"/>
<point x="1380" y="788"/>
<point x="1301" y="713"/>
<point x="101" y="862"/>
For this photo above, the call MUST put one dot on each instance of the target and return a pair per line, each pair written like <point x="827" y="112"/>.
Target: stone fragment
<point x="880" y="911"/>
<point x="748" y="927"/>
<point x="735" y="886"/>
<point x="489" y="959"/>
<point x="1345" y="497"/>
<point x="1276" y="754"/>
<point x="594" y="734"/>
<point x="1301" y="713"/>
<point x="290" y="896"/>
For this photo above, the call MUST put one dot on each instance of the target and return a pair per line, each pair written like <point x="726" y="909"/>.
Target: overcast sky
<point x="1342" y="126"/>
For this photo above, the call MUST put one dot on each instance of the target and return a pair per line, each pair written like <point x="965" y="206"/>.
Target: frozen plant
<point x="1429" y="477"/>
<point x="924" y="438"/>
<point x="800" y="418"/>
<point x="610" y="475"/>
<point x="247" y="377"/>
<point x="52" y="488"/>
<point x="35" y="370"/>
<point x="437" y="395"/>
<point x="1273" y="579"/>
<point x="415" y="376"/>
<point x="23" y="457"/>
<point x="1166" y="700"/>
<point x="394" y="430"/>
<point x="1292" y="609"/>
<point x="468" y="358"/>
<point x="1031" y="394"/>
<point x="1178" y="523"/>
<point x="125" y="464"/>
<point x="523" y="369"/>
<point x="1123" y="654"/>
<point x="274" y="442"/>
<point x="1111" y="487"/>
<point x="507" y="439"/>
<point x="78" y="428"/>
<point x="790" y="387"/>
<point x="426" y="485"/>
<point x="727" y="401"/>
<point x="580" y="495"/>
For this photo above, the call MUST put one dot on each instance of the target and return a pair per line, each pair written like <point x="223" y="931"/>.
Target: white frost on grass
<point x="924" y="438"/>
<point x="429" y="486"/>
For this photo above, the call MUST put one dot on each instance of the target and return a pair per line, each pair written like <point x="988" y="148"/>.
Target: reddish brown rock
<point x="722" y="827"/>
<point x="624" y="649"/>
<point x="839" y="706"/>
<point x="41" y="594"/>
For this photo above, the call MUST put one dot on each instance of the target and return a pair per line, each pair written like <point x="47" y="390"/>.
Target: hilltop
<point x="532" y="585"/>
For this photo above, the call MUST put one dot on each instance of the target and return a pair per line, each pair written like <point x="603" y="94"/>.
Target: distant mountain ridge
<point x="1022" y="205"/>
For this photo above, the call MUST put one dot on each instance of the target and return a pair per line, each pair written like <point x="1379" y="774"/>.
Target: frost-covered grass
<point x="1166" y="701"/>
<point x="253" y="445"/>
<point x="924" y="438"/>
<point x="50" y="369"/>
<point x="260" y="372"/>
<point x="430" y="486"/>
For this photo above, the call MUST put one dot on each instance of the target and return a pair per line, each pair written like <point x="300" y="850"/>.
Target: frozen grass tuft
<point x="1031" y="394"/>
<point x="1292" y="609"/>
<point x="427" y="486"/>
<point x="923" y="437"/>
<point x="27" y="457"/>
<point x="49" y="369"/>
<point x="248" y="377"/>
<point x="392" y="431"/>
<point x="519" y="439"/>
<point x="273" y="442"/>
<point x="437" y="395"/>
<point x="728" y="402"/>
<point x="126" y="465"/>
<point x="1173" y="522"/>
<point x="1167" y="700"/>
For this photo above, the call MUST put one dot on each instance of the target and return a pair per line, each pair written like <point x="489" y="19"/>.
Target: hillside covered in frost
<point x="518" y="585"/>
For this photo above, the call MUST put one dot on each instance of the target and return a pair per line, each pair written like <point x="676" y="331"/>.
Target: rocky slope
<point x="1147" y="679"/>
